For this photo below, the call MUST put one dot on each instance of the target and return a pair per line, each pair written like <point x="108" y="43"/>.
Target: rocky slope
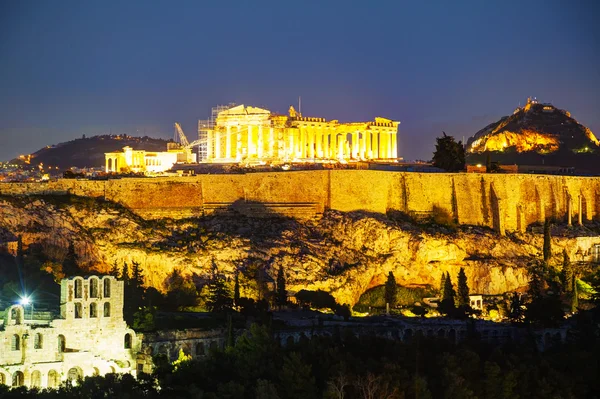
<point x="343" y="253"/>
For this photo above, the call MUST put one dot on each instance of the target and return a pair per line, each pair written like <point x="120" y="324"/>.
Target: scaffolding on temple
<point x="205" y="126"/>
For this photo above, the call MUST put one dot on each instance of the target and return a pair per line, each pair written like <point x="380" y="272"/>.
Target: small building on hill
<point x="142" y="161"/>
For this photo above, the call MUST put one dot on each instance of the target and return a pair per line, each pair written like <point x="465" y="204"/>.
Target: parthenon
<point x="246" y="133"/>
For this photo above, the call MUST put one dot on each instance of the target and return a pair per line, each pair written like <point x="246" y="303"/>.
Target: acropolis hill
<point x="339" y="238"/>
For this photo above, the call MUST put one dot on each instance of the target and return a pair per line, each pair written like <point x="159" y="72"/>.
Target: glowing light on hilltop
<point x="526" y="140"/>
<point x="25" y="301"/>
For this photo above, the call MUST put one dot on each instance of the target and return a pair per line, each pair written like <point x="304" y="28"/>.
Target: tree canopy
<point x="449" y="154"/>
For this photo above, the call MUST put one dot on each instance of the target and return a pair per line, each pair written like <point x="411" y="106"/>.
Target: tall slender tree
<point x="574" y="295"/>
<point x="125" y="274"/>
<point x="567" y="273"/>
<point x="236" y="290"/>
<point x="442" y="285"/>
<point x="547" y="250"/>
<point x="70" y="264"/>
<point x="447" y="305"/>
<point x="463" y="289"/>
<point x="219" y="297"/>
<point x="114" y="271"/>
<point x="281" y="297"/>
<point x="391" y="290"/>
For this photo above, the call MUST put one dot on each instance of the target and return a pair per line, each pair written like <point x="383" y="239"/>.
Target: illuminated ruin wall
<point x="504" y="202"/>
<point x="248" y="134"/>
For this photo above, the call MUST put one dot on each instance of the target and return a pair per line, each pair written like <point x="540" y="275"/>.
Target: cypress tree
<point x="391" y="290"/>
<point x="137" y="276"/>
<point x="230" y="341"/>
<point x="567" y="273"/>
<point x="536" y="281"/>
<point x="125" y="273"/>
<point x="219" y="297"/>
<point x="463" y="289"/>
<point x="442" y="286"/>
<point x="447" y="304"/>
<point x="114" y="271"/>
<point x="547" y="241"/>
<point x="236" y="290"/>
<point x="281" y="297"/>
<point x="69" y="265"/>
<point x="574" y="295"/>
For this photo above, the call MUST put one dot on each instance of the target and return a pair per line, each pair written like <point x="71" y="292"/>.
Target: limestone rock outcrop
<point x="342" y="253"/>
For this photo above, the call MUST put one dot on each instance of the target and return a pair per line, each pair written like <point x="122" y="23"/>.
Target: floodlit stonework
<point x="130" y="160"/>
<point x="89" y="338"/>
<point x="246" y="134"/>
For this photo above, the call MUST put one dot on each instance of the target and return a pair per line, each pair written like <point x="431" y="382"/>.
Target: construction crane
<point x="179" y="135"/>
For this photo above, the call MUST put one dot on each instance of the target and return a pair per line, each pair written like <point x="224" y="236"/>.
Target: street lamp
<point x="27" y="301"/>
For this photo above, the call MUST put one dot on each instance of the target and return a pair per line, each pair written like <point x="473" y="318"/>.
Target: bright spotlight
<point x="25" y="301"/>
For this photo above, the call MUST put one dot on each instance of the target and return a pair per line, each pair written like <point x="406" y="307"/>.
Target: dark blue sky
<point x="74" y="67"/>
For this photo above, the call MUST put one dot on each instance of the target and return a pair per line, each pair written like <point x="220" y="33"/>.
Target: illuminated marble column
<point x="394" y="145"/>
<point x="355" y="144"/>
<point x="340" y="146"/>
<point x="311" y="142"/>
<point x="302" y="141"/>
<point x="375" y="144"/>
<point x="291" y="151"/>
<point x="250" y="141"/>
<point x="368" y="151"/>
<point x="228" y="142"/>
<point x="239" y="152"/>
<point x="260" y="143"/>
<point x="210" y="151"/>
<point x="218" y="144"/>
<point x="271" y="142"/>
<point x="319" y="142"/>
<point x="326" y="142"/>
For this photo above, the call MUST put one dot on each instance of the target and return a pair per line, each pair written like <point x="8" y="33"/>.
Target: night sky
<point x="69" y="68"/>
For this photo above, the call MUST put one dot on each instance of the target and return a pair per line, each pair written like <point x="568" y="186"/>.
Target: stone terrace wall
<point x="501" y="201"/>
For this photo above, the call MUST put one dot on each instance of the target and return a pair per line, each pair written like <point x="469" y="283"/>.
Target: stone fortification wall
<point x="501" y="201"/>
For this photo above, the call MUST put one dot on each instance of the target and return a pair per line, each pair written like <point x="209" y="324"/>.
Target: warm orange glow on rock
<point x="526" y="140"/>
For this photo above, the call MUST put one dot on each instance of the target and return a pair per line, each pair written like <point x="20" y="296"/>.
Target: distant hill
<point x="536" y="134"/>
<point x="89" y="152"/>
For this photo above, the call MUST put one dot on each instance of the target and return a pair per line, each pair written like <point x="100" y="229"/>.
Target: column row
<point x="240" y="142"/>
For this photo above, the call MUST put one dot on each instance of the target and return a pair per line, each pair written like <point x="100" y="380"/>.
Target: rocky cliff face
<point x="343" y="253"/>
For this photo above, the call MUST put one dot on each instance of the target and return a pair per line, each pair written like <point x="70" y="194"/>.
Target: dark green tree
<point x="536" y="280"/>
<point x="463" y="289"/>
<point x="125" y="273"/>
<point x="281" y="297"/>
<point x="449" y="155"/>
<point x="447" y="305"/>
<point x="391" y="290"/>
<point x="134" y="292"/>
<point x="574" y="295"/>
<point x="547" y="241"/>
<point x="137" y="276"/>
<point x="566" y="275"/>
<point x="230" y="339"/>
<point x="70" y="265"/>
<point x="181" y="292"/>
<point x="515" y="311"/>
<point x="219" y="297"/>
<point x="442" y="286"/>
<point x="236" y="290"/>
<point x="114" y="271"/>
<point x="297" y="381"/>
